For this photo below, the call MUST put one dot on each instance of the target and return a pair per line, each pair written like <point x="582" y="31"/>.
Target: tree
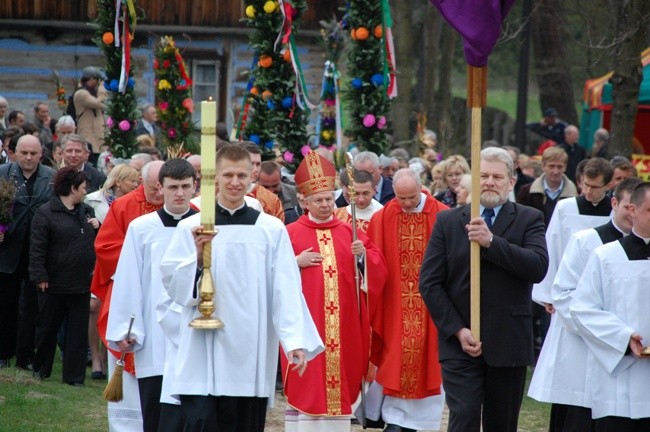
<point x="552" y="64"/>
<point x="632" y="25"/>
<point x="403" y="105"/>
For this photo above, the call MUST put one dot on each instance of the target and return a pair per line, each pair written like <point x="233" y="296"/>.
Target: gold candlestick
<point x="207" y="288"/>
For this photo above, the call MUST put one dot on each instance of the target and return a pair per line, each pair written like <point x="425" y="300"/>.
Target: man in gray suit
<point x="32" y="181"/>
<point x="485" y="378"/>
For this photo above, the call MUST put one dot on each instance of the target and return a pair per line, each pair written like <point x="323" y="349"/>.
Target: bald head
<point x="408" y="189"/>
<point x="150" y="182"/>
<point x="28" y="154"/>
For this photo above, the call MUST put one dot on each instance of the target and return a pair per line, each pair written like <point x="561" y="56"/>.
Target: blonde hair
<point x="145" y="140"/>
<point x="119" y="173"/>
<point x="455" y="161"/>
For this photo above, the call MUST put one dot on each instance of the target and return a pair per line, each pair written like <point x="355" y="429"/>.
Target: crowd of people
<point x="348" y="291"/>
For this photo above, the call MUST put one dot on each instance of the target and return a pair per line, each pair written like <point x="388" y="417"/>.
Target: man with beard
<point x="484" y="380"/>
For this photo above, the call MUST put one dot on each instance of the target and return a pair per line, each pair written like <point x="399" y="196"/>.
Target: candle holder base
<point x="207" y="323"/>
<point x="645" y="351"/>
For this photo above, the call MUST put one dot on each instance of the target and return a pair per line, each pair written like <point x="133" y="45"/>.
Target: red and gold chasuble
<point x="108" y="246"/>
<point x="404" y="338"/>
<point x="342" y="214"/>
<point x="269" y="201"/>
<point x="332" y="381"/>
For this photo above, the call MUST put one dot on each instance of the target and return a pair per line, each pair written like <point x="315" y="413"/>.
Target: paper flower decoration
<point x="255" y="91"/>
<point x="286" y="54"/>
<point x="270" y="104"/>
<point x="265" y="61"/>
<point x="188" y="104"/>
<point x="377" y="80"/>
<point x="369" y="120"/>
<point x="255" y="139"/>
<point x="164" y="106"/>
<point x="327" y="135"/>
<point x="357" y="83"/>
<point x="304" y="150"/>
<point x="362" y="33"/>
<point x="250" y="11"/>
<point x="130" y="83"/>
<point x="378" y="32"/>
<point x="163" y="84"/>
<point x="125" y="125"/>
<point x="287" y="156"/>
<point x="269" y="6"/>
<point x="108" y="38"/>
<point x="114" y="85"/>
<point x="287" y="102"/>
<point x="266" y="94"/>
<point x="171" y="133"/>
<point x="381" y="123"/>
<point x="268" y="145"/>
<point x="110" y="122"/>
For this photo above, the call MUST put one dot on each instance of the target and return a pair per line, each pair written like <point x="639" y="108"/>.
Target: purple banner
<point x="478" y="22"/>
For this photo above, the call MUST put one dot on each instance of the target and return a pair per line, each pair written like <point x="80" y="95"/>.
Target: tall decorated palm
<point x="275" y="109"/>
<point x="371" y="71"/>
<point x="116" y="23"/>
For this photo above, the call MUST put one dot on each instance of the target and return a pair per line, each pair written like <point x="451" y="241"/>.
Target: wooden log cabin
<point x="38" y="37"/>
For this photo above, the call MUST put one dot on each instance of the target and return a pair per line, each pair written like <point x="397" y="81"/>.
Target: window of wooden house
<point x="205" y="76"/>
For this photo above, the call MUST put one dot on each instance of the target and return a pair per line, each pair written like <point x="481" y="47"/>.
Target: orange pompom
<point x="255" y="91"/>
<point x="265" y="61"/>
<point x="353" y="34"/>
<point x="286" y="55"/>
<point x="378" y="32"/>
<point x="362" y="33"/>
<point x="108" y="38"/>
<point x="266" y="94"/>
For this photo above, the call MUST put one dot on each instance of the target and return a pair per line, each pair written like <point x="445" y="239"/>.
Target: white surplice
<point x="560" y="375"/>
<point x="611" y="302"/>
<point x="565" y="222"/>
<point x="259" y="299"/>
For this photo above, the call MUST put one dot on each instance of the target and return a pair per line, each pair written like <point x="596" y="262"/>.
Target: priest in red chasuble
<point x="404" y="339"/>
<point x="328" y="258"/>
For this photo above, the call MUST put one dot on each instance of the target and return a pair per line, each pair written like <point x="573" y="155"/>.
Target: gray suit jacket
<point x="11" y="248"/>
<point x="515" y="260"/>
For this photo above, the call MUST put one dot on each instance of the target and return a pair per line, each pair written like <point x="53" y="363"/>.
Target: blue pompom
<point x="377" y="80"/>
<point x="287" y="102"/>
<point x="269" y="145"/>
<point x="107" y="85"/>
<point x="130" y="83"/>
<point x="115" y="85"/>
<point x="356" y="83"/>
<point x="270" y="104"/>
<point x="255" y="139"/>
<point x="182" y="83"/>
<point x="249" y="86"/>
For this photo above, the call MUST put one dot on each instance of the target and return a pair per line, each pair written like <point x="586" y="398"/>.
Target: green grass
<point x="533" y="416"/>
<point x="29" y="405"/>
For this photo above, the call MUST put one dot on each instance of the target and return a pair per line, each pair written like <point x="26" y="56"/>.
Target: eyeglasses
<point x="586" y="186"/>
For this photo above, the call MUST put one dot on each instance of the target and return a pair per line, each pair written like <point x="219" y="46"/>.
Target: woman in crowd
<point x="464" y="190"/>
<point x="438" y="184"/>
<point x="121" y="180"/>
<point x="453" y="169"/>
<point x="61" y="261"/>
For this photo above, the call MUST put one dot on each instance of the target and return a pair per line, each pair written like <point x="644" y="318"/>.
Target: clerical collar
<point x="176" y="216"/>
<point x="319" y="221"/>
<point x="231" y="211"/>
<point x="250" y="188"/>
<point x="646" y="240"/>
<point x="618" y="228"/>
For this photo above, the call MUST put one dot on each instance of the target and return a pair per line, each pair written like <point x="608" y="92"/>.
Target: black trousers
<point x="52" y="310"/>
<point x="10" y="284"/>
<point x="26" y="341"/>
<point x="622" y="424"/>
<point x="569" y="418"/>
<point x="471" y="385"/>
<point x="156" y="416"/>
<point x="223" y="413"/>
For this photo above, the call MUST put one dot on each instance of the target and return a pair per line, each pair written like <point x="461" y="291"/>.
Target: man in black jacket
<point x="484" y="379"/>
<point x="75" y="154"/>
<point x="32" y="181"/>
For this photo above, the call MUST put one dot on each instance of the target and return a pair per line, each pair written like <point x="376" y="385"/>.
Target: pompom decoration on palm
<point x="173" y="92"/>
<point x="371" y="67"/>
<point x="275" y="107"/>
<point x="116" y="22"/>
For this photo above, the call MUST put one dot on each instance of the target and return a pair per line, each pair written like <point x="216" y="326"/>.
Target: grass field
<point x="28" y="405"/>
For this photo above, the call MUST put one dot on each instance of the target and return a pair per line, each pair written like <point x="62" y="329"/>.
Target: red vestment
<point x="332" y="381"/>
<point x="342" y="214"/>
<point x="269" y="201"/>
<point x="108" y="245"/>
<point x="404" y="338"/>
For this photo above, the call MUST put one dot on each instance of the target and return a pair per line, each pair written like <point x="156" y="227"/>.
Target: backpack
<point x="71" y="110"/>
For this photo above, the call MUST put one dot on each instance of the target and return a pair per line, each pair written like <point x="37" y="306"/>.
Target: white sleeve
<point x="542" y="291"/>
<point x="126" y="297"/>
<point x="566" y="280"/>
<point x="606" y="335"/>
<point x="179" y="266"/>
